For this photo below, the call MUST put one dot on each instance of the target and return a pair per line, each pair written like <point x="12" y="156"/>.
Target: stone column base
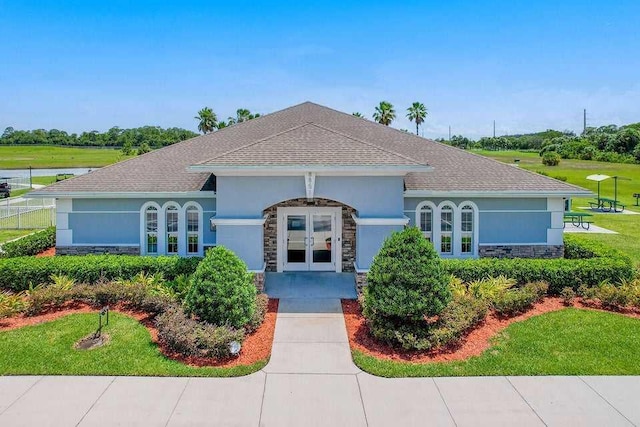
<point x="258" y="281"/>
<point x="521" y="251"/>
<point x="361" y="282"/>
<point x="97" y="250"/>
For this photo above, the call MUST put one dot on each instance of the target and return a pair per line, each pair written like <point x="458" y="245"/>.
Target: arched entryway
<point x="308" y="242"/>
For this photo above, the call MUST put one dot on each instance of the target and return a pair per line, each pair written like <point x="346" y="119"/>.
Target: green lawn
<point x="565" y="342"/>
<point x="6" y="235"/>
<point x="47" y="349"/>
<point x="21" y="157"/>
<point x="40" y="218"/>
<point x="576" y="171"/>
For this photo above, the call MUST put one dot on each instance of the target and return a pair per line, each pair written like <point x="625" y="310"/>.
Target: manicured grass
<point x="48" y="349"/>
<point x="6" y="235"/>
<point x="576" y="171"/>
<point x="565" y="342"/>
<point x="21" y="157"/>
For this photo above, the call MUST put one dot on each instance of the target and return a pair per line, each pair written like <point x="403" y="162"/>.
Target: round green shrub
<point x="406" y="280"/>
<point x="551" y="158"/>
<point x="222" y="290"/>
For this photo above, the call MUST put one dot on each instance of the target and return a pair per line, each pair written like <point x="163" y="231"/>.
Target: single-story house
<point x="309" y="188"/>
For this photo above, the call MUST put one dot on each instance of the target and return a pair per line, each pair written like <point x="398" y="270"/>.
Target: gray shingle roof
<point x="309" y="134"/>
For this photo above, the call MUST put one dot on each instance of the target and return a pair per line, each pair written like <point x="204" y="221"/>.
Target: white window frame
<point x="178" y="233"/>
<point x="200" y="231"/>
<point x="419" y="211"/>
<point x="452" y="234"/>
<point x="143" y="228"/>
<point x="475" y="228"/>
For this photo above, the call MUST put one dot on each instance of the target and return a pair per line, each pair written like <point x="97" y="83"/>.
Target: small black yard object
<point x="637" y="196"/>
<point x="96" y="339"/>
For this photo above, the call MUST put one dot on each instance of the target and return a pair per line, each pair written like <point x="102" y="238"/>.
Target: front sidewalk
<point x="311" y="380"/>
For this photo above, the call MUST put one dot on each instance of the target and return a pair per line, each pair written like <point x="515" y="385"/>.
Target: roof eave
<point x="295" y="170"/>
<point x="202" y="194"/>
<point x="497" y="193"/>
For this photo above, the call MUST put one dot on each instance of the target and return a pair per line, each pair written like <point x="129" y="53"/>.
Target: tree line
<point x="610" y="143"/>
<point x="152" y="136"/>
<point x="385" y="113"/>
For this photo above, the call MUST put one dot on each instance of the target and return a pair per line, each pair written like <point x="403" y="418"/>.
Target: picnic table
<point x="607" y="205"/>
<point x="579" y="219"/>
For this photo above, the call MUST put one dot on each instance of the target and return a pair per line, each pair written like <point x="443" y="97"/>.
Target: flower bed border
<point x="474" y="343"/>
<point x="259" y="343"/>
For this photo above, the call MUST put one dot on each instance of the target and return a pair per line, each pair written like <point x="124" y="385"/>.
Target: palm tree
<point x="208" y="120"/>
<point x="417" y="113"/>
<point x="385" y="113"/>
<point x="356" y="114"/>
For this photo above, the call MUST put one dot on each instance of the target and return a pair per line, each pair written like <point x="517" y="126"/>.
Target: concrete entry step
<point x="310" y="285"/>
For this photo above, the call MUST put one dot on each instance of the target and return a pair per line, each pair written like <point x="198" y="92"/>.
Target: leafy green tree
<point x="207" y="120"/>
<point x="406" y="284"/>
<point x="222" y="290"/>
<point x="385" y="114"/>
<point x="417" y="113"/>
<point x="144" y="148"/>
<point x="127" y="149"/>
<point x="356" y="114"/>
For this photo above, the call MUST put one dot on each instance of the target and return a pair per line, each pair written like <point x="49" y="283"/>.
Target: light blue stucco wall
<point x="117" y="221"/>
<point x="501" y="220"/>
<point x="369" y="239"/>
<point x="248" y="197"/>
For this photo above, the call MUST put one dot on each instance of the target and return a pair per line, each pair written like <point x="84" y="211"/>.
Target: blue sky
<point x="87" y="65"/>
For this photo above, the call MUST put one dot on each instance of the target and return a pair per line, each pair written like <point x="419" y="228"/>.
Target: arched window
<point x="425" y="212"/>
<point x="466" y="230"/>
<point x="193" y="230"/>
<point x="151" y="230"/>
<point x="171" y="222"/>
<point x="446" y="230"/>
<point x="426" y="222"/>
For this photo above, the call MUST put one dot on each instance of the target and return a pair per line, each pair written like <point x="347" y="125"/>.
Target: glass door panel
<point x="296" y="254"/>
<point x="322" y="253"/>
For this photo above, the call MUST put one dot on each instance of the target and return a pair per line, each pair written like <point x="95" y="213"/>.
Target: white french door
<point x="310" y="239"/>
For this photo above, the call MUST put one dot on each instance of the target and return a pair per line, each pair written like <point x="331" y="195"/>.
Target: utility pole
<point x="494" y="128"/>
<point x="584" y="121"/>
<point x="449" y="133"/>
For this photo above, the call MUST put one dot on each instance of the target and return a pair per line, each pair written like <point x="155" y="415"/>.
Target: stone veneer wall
<point x="271" y="231"/>
<point x="86" y="250"/>
<point x="258" y="281"/>
<point x="522" y="251"/>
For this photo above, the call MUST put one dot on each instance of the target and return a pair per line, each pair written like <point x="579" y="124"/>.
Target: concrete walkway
<point x="311" y="381"/>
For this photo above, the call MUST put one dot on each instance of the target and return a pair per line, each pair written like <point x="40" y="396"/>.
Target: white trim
<point x="495" y="194"/>
<point x="238" y="221"/>
<point x="180" y="232"/>
<point x="296" y="170"/>
<point x="200" y="228"/>
<point x="455" y="227"/>
<point x="123" y="195"/>
<point x="555" y="236"/>
<point x="64" y="205"/>
<point x="476" y="228"/>
<point x="261" y="270"/>
<point x="64" y="237"/>
<point x="310" y="184"/>
<point x="143" y="227"/>
<point x="418" y="219"/>
<point x="380" y="221"/>
<point x="281" y="230"/>
<point x="359" y="270"/>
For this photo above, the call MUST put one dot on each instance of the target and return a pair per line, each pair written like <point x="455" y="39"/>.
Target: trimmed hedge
<point x="29" y="245"/>
<point x="585" y="263"/>
<point x="17" y="274"/>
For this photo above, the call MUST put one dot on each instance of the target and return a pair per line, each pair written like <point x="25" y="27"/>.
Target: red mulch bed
<point x="256" y="347"/>
<point x="48" y="252"/>
<point x="476" y="341"/>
